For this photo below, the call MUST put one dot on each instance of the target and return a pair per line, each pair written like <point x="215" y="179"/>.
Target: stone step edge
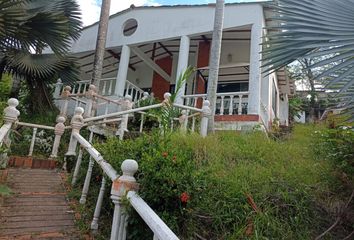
<point x="32" y="162"/>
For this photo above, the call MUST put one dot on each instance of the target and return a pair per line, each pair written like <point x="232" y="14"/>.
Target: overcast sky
<point x="91" y="8"/>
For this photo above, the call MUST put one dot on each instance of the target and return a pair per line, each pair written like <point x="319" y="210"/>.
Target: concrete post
<point x="90" y="95"/>
<point x="183" y="120"/>
<point x="120" y="187"/>
<point x="57" y="89"/>
<point x="10" y="112"/>
<point x="58" y="131"/>
<point x="77" y="123"/>
<point x="10" y="117"/>
<point x="204" y="122"/>
<point x="255" y="77"/>
<point x="66" y="98"/>
<point x="182" y="65"/>
<point x="127" y="104"/>
<point x="122" y="71"/>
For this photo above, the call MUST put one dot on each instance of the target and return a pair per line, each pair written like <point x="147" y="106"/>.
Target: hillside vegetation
<point x="232" y="186"/>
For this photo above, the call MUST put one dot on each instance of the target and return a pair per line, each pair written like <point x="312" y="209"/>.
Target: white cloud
<point x="91" y="9"/>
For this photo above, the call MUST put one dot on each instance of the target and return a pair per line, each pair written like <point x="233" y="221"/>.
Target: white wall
<point x="156" y="24"/>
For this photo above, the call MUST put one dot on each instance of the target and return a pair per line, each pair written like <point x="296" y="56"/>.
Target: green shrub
<point x="337" y="145"/>
<point x="205" y="186"/>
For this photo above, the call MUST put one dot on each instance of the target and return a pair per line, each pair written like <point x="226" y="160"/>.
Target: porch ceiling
<point x="156" y="50"/>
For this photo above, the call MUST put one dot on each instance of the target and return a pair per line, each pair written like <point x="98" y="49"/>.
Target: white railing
<point x="134" y="91"/>
<point x="229" y="103"/>
<point x="11" y="117"/>
<point x="123" y="186"/>
<point x="105" y="88"/>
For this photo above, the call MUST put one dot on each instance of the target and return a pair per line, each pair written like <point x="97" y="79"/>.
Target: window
<point x="129" y="27"/>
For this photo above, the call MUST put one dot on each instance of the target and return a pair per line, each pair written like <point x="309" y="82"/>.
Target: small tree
<point x="26" y="29"/>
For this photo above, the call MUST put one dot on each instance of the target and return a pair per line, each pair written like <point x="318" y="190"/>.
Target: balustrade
<point x="231" y="103"/>
<point x="125" y="185"/>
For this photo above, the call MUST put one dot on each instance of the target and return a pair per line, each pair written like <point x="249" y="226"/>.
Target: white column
<point x="182" y="65"/>
<point x="255" y="70"/>
<point x="122" y="71"/>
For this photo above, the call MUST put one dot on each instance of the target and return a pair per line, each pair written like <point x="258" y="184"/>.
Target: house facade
<point x="147" y="49"/>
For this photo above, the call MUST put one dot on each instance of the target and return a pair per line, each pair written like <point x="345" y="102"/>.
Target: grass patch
<point x="4" y="190"/>
<point x="228" y="185"/>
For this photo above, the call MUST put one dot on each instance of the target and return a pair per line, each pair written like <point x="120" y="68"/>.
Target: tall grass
<point x="239" y="186"/>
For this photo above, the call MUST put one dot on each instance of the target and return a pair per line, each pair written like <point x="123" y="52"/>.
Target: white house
<point x="148" y="47"/>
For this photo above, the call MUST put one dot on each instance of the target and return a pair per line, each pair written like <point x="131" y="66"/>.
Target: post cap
<point x="128" y="97"/>
<point x="129" y="168"/>
<point x="167" y="95"/>
<point x="61" y="119"/>
<point x="12" y="102"/>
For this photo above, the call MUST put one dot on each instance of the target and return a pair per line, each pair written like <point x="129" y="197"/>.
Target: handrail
<point x="106" y="167"/>
<point x="123" y="112"/>
<point x="187" y="107"/>
<point x="159" y="228"/>
<point x="217" y="94"/>
<point x="32" y="125"/>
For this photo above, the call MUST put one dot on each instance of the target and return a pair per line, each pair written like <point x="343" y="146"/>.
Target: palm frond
<point x="313" y="28"/>
<point x="41" y="67"/>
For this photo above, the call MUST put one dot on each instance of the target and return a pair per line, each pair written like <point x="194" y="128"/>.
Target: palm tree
<point x="101" y="42"/>
<point x="315" y="28"/>
<point x="27" y="27"/>
<point x="214" y="61"/>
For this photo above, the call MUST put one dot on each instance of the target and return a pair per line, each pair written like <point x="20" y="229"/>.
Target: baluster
<point x="32" y="142"/>
<point x="79" y="88"/>
<point x="74" y="88"/>
<point x="193" y="124"/>
<point x="240" y="105"/>
<point x="86" y="186"/>
<point x="77" y="167"/>
<point x="58" y="131"/>
<point x="96" y="215"/>
<point x="57" y="90"/>
<point x="127" y="105"/>
<point x="204" y="122"/>
<point x="66" y="98"/>
<point x="90" y="95"/>
<point x="104" y="88"/>
<point x="141" y="123"/>
<point x="85" y="87"/>
<point x="231" y="107"/>
<point x="172" y="125"/>
<point x="120" y="187"/>
<point x="183" y="120"/>
<point x="188" y="100"/>
<point x="110" y="90"/>
<point x="222" y="105"/>
<point x="127" y="90"/>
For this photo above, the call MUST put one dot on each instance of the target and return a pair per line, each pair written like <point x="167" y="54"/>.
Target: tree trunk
<point x="39" y="100"/>
<point x="214" y="61"/>
<point x="101" y="42"/>
<point x="15" y="87"/>
<point x="311" y="79"/>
